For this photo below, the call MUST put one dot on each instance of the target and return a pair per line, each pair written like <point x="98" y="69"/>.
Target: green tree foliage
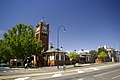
<point x="39" y="47"/>
<point x="73" y="56"/>
<point x="94" y="54"/>
<point x="38" y="51"/>
<point x="1" y="50"/>
<point x="102" y="50"/>
<point x="4" y="52"/>
<point x="102" y="55"/>
<point x="19" y="42"/>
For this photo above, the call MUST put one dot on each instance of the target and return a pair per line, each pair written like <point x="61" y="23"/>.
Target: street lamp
<point x="58" y="43"/>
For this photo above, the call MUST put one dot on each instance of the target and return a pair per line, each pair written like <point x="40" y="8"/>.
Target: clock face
<point x="44" y="29"/>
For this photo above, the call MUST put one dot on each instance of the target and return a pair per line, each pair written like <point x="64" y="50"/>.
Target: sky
<point x="88" y="23"/>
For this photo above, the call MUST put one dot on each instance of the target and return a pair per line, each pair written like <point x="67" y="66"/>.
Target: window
<point x="43" y="34"/>
<point x="57" y="57"/>
<point x="62" y="57"/>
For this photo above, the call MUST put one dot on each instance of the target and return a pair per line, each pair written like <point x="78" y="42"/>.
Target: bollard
<point x="64" y="67"/>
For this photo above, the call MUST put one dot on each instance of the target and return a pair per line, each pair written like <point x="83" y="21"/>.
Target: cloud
<point x="77" y="51"/>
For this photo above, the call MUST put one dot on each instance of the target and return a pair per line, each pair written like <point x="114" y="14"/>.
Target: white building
<point x="85" y="55"/>
<point x="112" y="51"/>
<point x="118" y="56"/>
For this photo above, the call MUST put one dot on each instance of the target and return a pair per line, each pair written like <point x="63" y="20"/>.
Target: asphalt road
<point x="91" y="72"/>
<point x="103" y="74"/>
<point x="110" y="73"/>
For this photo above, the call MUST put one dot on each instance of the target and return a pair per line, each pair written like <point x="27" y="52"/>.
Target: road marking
<point x="81" y="71"/>
<point x="4" y="71"/>
<point x="22" y="78"/>
<point x="81" y="79"/>
<point x="115" y="77"/>
<point x="86" y="69"/>
<point x="94" y="68"/>
<point x="57" y="75"/>
<point x="105" y="73"/>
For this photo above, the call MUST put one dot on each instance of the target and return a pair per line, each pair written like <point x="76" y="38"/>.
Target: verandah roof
<point x="53" y="50"/>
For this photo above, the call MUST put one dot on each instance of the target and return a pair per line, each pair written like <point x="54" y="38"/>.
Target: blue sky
<point x="89" y="23"/>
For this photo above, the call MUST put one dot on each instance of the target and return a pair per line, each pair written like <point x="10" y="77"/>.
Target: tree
<point x="102" y="50"/>
<point x="38" y="51"/>
<point x="1" y="50"/>
<point x="73" y="56"/>
<point x="4" y="52"/>
<point x="94" y="54"/>
<point x="102" y="55"/>
<point x="20" y="42"/>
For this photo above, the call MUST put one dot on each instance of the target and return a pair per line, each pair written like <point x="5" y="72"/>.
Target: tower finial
<point x="42" y="20"/>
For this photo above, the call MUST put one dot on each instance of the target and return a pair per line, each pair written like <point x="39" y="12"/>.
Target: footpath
<point x="44" y="71"/>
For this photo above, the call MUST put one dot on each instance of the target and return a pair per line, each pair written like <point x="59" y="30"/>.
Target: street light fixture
<point x="58" y="43"/>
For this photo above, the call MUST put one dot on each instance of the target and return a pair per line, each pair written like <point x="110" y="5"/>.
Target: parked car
<point x="3" y="65"/>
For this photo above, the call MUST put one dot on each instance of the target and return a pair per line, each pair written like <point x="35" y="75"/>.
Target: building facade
<point x="49" y="56"/>
<point x="110" y="51"/>
<point x="55" y="57"/>
<point x="42" y="33"/>
<point x="117" y="56"/>
<point x="85" y="57"/>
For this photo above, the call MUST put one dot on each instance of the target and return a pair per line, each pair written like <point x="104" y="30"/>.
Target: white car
<point x="3" y="65"/>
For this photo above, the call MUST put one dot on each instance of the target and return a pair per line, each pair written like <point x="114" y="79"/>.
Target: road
<point x="92" y="72"/>
<point x="103" y="74"/>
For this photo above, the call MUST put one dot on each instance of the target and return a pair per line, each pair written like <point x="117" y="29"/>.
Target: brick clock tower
<point x="42" y="33"/>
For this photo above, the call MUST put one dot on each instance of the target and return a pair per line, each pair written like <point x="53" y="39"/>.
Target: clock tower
<point x="42" y="33"/>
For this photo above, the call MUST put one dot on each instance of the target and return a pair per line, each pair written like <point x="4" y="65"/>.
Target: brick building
<point x="42" y="33"/>
<point x="48" y="57"/>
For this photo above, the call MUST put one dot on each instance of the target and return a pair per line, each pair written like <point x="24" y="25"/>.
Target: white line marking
<point x="81" y="79"/>
<point x="80" y="71"/>
<point x="4" y="71"/>
<point x="105" y="73"/>
<point x="77" y="69"/>
<point x="57" y="75"/>
<point x="22" y="78"/>
<point x="116" y="77"/>
<point x="94" y="68"/>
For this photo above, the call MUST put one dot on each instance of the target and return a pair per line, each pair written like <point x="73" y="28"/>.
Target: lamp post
<point x="58" y="43"/>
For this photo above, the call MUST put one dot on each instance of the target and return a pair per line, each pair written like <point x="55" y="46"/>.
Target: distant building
<point x="49" y="56"/>
<point x="111" y="52"/>
<point x="85" y="57"/>
<point x="117" y="56"/>
<point x="55" y="57"/>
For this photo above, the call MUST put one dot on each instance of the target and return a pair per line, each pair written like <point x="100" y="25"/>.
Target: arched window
<point x="57" y="57"/>
<point x="62" y="57"/>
